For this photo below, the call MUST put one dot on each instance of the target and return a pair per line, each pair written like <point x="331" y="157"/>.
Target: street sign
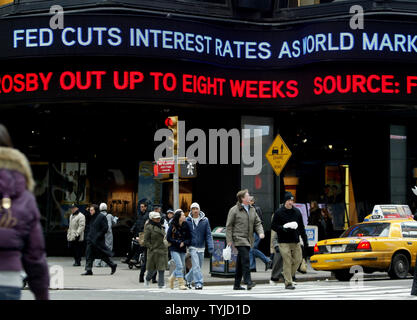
<point x="188" y="169"/>
<point x="165" y="167"/>
<point x="278" y="155"/>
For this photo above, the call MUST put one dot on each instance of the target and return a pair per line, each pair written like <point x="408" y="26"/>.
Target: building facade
<point x="84" y="90"/>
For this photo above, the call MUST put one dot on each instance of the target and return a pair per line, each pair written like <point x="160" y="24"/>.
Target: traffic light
<point x="172" y="124"/>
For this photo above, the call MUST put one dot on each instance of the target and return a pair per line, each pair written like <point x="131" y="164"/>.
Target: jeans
<point x="10" y="293"/>
<point x="179" y="259"/>
<point x="242" y="266"/>
<point x="256" y="253"/>
<point x="195" y="273"/>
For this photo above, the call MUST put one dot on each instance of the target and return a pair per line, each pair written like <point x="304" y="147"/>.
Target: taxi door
<point x="409" y="233"/>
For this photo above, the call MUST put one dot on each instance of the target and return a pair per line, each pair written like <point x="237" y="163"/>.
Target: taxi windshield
<point x="367" y="230"/>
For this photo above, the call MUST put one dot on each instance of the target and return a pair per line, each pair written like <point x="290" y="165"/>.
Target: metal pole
<point x="176" y="184"/>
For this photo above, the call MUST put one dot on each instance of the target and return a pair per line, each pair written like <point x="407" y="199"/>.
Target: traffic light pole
<point x="175" y="181"/>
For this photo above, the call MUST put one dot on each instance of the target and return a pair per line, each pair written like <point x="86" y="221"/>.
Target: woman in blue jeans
<point x="180" y="237"/>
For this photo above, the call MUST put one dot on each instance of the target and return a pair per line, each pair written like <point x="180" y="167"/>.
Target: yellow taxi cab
<point x="385" y="241"/>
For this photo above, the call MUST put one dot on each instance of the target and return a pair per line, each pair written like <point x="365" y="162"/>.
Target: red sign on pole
<point x="165" y="167"/>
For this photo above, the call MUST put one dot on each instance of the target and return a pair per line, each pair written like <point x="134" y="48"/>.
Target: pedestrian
<point x="157" y="251"/>
<point x="111" y="221"/>
<point x="199" y="226"/>
<point x="414" y="285"/>
<point x="137" y="232"/>
<point x="316" y="219"/>
<point x="179" y="236"/>
<point x="22" y="244"/>
<point x="166" y="223"/>
<point x="289" y="226"/>
<point x="328" y="224"/>
<point x="143" y="216"/>
<point x="96" y="245"/>
<point x="75" y="233"/>
<point x="277" y="263"/>
<point x="254" y="251"/>
<point x="242" y="221"/>
<point x="168" y="219"/>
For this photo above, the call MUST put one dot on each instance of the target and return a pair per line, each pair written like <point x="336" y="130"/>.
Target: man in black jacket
<point x="96" y="245"/>
<point x="289" y="226"/>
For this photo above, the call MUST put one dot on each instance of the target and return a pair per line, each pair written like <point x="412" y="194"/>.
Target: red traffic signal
<point x="169" y="122"/>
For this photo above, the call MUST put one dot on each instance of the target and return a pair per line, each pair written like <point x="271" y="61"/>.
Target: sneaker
<point x="199" y="287"/>
<point x="147" y="283"/>
<point x="289" y="287"/>
<point x="268" y="265"/>
<point x="162" y="287"/>
<point x="76" y="264"/>
<point x="188" y="285"/>
<point x="87" y="273"/>
<point x="273" y="283"/>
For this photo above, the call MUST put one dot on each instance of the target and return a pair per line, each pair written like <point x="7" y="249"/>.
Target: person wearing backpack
<point x="111" y="221"/>
<point x="22" y="245"/>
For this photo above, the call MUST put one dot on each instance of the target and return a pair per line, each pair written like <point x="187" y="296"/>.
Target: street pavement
<point x="318" y="290"/>
<point x="126" y="278"/>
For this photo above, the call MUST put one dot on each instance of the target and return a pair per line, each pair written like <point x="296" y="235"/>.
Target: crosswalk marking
<point x="303" y="291"/>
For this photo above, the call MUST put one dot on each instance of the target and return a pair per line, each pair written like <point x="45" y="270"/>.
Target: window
<point x="409" y="230"/>
<point x="367" y="230"/>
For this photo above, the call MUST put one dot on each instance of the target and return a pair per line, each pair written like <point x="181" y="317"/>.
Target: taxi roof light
<point x="316" y="248"/>
<point x="364" y="245"/>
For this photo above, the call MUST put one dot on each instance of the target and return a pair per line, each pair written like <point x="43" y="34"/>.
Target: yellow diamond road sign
<point x="278" y="155"/>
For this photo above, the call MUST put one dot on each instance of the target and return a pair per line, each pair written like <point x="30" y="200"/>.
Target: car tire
<point x="400" y="267"/>
<point x="343" y="275"/>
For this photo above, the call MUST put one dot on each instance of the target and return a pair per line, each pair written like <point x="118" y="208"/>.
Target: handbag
<point x="227" y="253"/>
<point x="303" y="266"/>
<point x="141" y="239"/>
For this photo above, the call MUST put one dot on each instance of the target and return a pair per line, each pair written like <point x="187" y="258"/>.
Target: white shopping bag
<point x="227" y="253"/>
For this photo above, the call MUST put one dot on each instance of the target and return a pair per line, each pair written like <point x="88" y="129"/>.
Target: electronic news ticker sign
<point x="237" y="46"/>
<point x="251" y="66"/>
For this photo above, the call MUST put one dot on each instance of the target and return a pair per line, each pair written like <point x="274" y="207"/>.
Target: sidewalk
<point x="126" y="278"/>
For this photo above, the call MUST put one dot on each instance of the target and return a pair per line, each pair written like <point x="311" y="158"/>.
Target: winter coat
<point x="200" y="233"/>
<point x="177" y="235"/>
<point x="240" y="225"/>
<point x="139" y="225"/>
<point x="22" y="245"/>
<point x="96" y="234"/>
<point x="157" y="255"/>
<point x="316" y="219"/>
<point x="76" y="227"/>
<point x="288" y="235"/>
<point x="109" y="234"/>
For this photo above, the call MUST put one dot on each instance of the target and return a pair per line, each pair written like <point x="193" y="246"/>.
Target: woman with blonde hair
<point x="22" y="245"/>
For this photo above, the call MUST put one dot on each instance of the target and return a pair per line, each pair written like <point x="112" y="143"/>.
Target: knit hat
<point x="154" y="215"/>
<point x="288" y="196"/>
<point x="195" y="205"/>
<point x="103" y="206"/>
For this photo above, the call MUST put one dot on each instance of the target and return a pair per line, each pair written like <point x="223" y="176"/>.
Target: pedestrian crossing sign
<point x="278" y="155"/>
